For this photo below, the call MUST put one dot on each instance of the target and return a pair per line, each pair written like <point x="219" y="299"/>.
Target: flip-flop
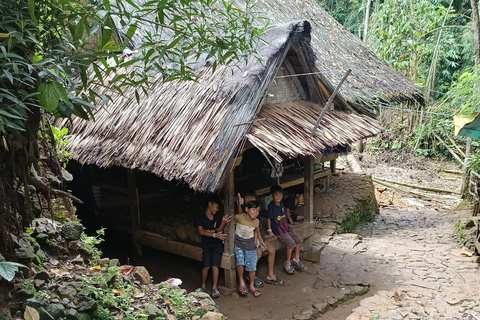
<point x="243" y="290"/>
<point x="258" y="283"/>
<point x="289" y="269"/>
<point x="255" y="292"/>
<point x="215" y="293"/>
<point x="203" y="289"/>
<point x="276" y="282"/>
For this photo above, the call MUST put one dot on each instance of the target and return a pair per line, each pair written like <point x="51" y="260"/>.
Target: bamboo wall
<point x="282" y="89"/>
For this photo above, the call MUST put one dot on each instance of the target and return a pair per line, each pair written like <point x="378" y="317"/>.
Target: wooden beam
<point x="297" y="82"/>
<point x="308" y="198"/>
<point x="292" y="183"/>
<point x="330" y="100"/>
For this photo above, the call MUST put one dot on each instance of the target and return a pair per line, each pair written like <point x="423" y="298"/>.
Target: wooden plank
<point x="308" y="197"/>
<point x="157" y="241"/>
<point x="295" y="182"/>
<point x="297" y="82"/>
<point x="304" y="230"/>
<point x="333" y="166"/>
<point x="328" y="157"/>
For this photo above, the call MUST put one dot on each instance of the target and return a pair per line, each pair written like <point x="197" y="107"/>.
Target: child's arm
<point x="226" y="219"/>
<point x="289" y="216"/>
<point x="269" y="230"/>
<point x="240" y="202"/>
<point x="204" y="233"/>
<point x="258" y="236"/>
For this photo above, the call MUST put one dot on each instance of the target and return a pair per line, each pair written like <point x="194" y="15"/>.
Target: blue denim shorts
<point x="246" y="258"/>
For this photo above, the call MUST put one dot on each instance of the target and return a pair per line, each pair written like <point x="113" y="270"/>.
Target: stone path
<point x="412" y="263"/>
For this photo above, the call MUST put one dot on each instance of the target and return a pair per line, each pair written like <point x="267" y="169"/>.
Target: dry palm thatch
<point x="286" y="130"/>
<point x="339" y="50"/>
<point x="187" y="130"/>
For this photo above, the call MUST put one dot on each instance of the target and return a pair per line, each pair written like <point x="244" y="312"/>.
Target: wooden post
<point x="229" y="208"/>
<point x="134" y="207"/>
<point x="333" y="166"/>
<point x="308" y="198"/>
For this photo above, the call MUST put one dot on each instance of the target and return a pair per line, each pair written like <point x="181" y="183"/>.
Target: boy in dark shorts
<point x="246" y="246"/>
<point x="291" y="203"/>
<point x="210" y="226"/>
<point x="278" y="226"/>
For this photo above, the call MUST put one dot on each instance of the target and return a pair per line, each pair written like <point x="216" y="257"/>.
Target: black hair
<point x="213" y="198"/>
<point x="299" y="191"/>
<point x="252" y="204"/>
<point x="249" y="193"/>
<point x="275" y="189"/>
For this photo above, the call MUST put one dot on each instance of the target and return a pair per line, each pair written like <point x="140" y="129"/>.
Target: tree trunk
<point x="367" y="18"/>
<point x="476" y="31"/>
<point x="476" y="50"/>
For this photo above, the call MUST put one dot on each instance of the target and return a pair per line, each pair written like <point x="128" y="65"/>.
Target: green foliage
<point x="473" y="162"/>
<point x="61" y="144"/>
<point x="404" y="33"/>
<point x="53" y="53"/>
<point x="463" y="97"/>
<point x="89" y="245"/>
<point x="351" y="14"/>
<point x="8" y="269"/>
<point x="459" y="227"/>
<point x="28" y="288"/>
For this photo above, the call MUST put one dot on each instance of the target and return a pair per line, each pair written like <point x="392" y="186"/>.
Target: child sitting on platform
<point x="293" y="202"/>
<point x="278" y="226"/>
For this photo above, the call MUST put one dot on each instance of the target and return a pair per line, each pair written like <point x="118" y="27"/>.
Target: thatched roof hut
<point x="192" y="131"/>
<point x="371" y="80"/>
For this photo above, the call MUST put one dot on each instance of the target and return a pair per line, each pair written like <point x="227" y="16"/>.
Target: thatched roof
<point x="189" y="131"/>
<point x="286" y="129"/>
<point x="339" y="50"/>
<point x="192" y="131"/>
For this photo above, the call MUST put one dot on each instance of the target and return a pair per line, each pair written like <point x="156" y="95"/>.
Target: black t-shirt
<point x="210" y="226"/>
<point x="290" y="203"/>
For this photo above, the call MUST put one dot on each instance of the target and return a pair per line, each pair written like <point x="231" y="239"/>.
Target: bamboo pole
<point x="330" y="100"/>
<point x="416" y="186"/>
<point x="456" y="146"/>
<point x="446" y="146"/>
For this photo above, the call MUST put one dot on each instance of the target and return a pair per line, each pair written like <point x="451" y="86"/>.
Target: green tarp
<point x="467" y="126"/>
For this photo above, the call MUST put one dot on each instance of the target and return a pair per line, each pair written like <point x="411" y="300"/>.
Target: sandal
<point x="258" y="283"/>
<point x="243" y="290"/>
<point x="297" y="265"/>
<point x="289" y="268"/>
<point x="276" y="282"/>
<point x="203" y="289"/>
<point x="215" y="293"/>
<point x="255" y="292"/>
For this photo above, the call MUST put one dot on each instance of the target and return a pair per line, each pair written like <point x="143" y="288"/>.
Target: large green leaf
<point x="50" y="94"/>
<point x="8" y="269"/>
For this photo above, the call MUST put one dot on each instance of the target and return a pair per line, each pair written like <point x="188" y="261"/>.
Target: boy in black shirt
<point x="210" y="226"/>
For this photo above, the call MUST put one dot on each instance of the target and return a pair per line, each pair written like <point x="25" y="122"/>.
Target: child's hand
<point x="222" y="236"/>
<point x="270" y="235"/>
<point x="227" y="218"/>
<point x="240" y="200"/>
<point x="263" y="247"/>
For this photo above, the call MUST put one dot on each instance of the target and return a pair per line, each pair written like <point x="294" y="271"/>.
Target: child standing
<point x="210" y="226"/>
<point x="245" y="246"/>
<point x="278" y="226"/>
<point x="271" y="278"/>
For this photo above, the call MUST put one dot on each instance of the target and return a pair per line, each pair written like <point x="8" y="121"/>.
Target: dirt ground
<point x="320" y="281"/>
